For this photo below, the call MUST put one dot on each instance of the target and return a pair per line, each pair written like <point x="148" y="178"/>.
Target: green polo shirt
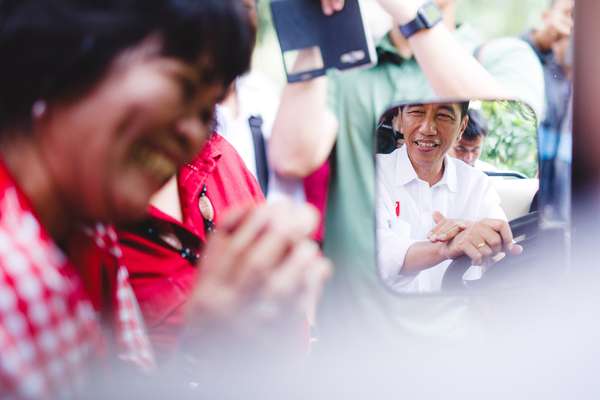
<point x="355" y="302"/>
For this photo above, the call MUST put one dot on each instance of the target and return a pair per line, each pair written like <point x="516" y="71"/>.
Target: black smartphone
<point x="311" y="42"/>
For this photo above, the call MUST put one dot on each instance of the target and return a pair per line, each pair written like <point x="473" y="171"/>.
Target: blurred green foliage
<point x="265" y="22"/>
<point x="511" y="143"/>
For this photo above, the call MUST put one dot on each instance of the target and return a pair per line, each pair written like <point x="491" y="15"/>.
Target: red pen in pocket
<point x="397" y="209"/>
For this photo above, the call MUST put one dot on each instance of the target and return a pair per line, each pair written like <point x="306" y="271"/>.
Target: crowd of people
<point x="154" y="216"/>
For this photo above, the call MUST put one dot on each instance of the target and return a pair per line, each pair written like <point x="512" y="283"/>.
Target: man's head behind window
<point x="468" y="148"/>
<point x="435" y="126"/>
<point x="430" y="131"/>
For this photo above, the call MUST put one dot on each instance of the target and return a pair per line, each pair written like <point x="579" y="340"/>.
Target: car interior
<point x="510" y="149"/>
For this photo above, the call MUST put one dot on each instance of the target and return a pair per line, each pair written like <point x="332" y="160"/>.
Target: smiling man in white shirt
<point x="432" y="208"/>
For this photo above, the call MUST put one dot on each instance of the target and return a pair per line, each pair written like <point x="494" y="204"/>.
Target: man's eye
<point x="445" y="117"/>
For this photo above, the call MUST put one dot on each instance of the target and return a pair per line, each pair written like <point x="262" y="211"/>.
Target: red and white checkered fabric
<point x="49" y="333"/>
<point x="135" y="346"/>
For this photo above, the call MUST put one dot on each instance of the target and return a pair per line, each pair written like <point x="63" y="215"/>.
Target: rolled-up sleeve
<point x="391" y="253"/>
<point x="392" y="244"/>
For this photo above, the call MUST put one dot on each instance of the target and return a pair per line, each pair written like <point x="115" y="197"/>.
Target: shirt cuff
<point x="390" y="260"/>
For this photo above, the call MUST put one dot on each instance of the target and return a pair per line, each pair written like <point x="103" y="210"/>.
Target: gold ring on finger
<point x="480" y="245"/>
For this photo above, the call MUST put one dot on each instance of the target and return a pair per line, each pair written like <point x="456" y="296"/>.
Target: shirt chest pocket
<point x="400" y="227"/>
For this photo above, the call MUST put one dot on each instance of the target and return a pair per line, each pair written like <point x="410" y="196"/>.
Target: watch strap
<point x="412" y="27"/>
<point x="423" y="20"/>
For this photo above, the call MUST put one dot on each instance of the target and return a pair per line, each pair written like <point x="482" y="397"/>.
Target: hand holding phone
<point x="317" y="37"/>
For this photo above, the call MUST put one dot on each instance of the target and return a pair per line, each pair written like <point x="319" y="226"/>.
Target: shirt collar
<point x="193" y="174"/>
<point x="387" y="52"/>
<point x="449" y="177"/>
<point x="405" y="172"/>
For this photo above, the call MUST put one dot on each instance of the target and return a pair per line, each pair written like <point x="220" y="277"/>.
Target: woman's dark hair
<point x="54" y="49"/>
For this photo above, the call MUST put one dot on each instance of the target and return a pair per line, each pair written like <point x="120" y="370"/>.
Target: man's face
<point x="443" y="4"/>
<point x="559" y="19"/>
<point x="430" y="130"/>
<point x="468" y="150"/>
<point x="252" y="11"/>
<point x="563" y="7"/>
<point x="558" y="25"/>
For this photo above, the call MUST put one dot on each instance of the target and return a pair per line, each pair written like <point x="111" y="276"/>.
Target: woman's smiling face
<point x="108" y="151"/>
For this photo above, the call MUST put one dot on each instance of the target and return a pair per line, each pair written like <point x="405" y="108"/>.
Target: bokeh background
<point x="495" y="18"/>
<point x="491" y="18"/>
<point x="512" y="143"/>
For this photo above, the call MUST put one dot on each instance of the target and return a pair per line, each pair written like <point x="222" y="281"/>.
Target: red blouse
<point x="162" y="275"/>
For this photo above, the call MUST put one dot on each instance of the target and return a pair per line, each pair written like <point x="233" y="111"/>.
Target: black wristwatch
<point x="427" y="17"/>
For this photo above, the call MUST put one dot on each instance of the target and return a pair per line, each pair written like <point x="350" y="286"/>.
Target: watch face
<point x="431" y="13"/>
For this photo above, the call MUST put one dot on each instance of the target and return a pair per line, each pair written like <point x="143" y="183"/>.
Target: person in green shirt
<point x="433" y="63"/>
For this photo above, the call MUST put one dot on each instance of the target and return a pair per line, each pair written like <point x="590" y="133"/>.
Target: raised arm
<point x="400" y="257"/>
<point x="450" y="69"/>
<point x="304" y="130"/>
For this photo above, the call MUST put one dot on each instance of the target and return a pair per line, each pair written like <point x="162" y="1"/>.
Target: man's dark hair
<point x="464" y="108"/>
<point x="58" y="49"/>
<point x="476" y="127"/>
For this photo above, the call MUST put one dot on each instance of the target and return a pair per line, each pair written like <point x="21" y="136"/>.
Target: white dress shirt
<point x="405" y="206"/>
<point x="485" y="166"/>
<point x="256" y="96"/>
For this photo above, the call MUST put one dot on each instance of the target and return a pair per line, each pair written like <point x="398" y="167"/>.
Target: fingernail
<point x="442" y="236"/>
